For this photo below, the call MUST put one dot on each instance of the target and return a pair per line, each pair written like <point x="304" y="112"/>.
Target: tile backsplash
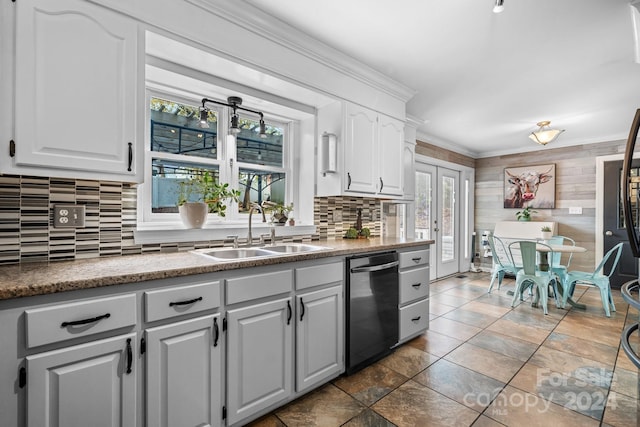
<point x="27" y="234"/>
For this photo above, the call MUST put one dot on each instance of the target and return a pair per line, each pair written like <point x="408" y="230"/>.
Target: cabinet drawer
<point x="414" y="284"/>
<point x="258" y="286"/>
<point x="414" y="318"/>
<point x="309" y="277"/>
<point x="78" y="319"/>
<point x="414" y="258"/>
<point x="179" y="300"/>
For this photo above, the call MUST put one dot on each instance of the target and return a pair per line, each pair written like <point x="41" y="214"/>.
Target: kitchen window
<point x="178" y="148"/>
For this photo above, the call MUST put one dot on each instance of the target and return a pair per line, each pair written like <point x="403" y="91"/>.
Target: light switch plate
<point x="575" y="210"/>
<point x="68" y="216"/>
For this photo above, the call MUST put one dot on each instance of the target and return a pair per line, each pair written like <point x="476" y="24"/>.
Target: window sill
<point x="172" y="233"/>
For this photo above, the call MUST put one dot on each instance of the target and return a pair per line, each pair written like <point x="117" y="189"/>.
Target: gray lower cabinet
<point x="184" y="373"/>
<point x="259" y="358"/>
<point x="92" y="384"/>
<point x="414" y="292"/>
<point x="206" y="350"/>
<point x="319" y="336"/>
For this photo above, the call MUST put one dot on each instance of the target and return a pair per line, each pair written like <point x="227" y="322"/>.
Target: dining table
<point x="544" y="250"/>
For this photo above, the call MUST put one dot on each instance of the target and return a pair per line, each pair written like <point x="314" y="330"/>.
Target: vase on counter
<point x="193" y="214"/>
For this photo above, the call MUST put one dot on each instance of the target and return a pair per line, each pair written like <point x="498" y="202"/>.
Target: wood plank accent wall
<point x="575" y="186"/>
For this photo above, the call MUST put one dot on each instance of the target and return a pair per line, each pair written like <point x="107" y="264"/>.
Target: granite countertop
<point x="29" y="279"/>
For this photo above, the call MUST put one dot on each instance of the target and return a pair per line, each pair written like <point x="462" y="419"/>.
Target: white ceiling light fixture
<point x="499" y="7"/>
<point x="545" y="134"/>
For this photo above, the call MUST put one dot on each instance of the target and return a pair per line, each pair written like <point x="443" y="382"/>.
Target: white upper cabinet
<point x="369" y="152"/>
<point x="77" y="87"/>
<point x="390" y="163"/>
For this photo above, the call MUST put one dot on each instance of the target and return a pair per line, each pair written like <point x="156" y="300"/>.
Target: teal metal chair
<point x="558" y="268"/>
<point x="594" y="278"/>
<point x="502" y="261"/>
<point x="530" y="275"/>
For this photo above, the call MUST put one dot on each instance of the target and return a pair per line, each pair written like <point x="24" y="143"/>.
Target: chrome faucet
<point x="260" y="209"/>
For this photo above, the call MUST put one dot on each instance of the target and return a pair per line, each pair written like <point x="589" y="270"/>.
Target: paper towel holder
<point x="329" y="150"/>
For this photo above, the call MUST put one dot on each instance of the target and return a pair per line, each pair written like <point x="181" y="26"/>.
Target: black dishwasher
<point x="372" y="308"/>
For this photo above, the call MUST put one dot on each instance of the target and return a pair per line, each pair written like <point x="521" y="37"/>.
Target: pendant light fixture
<point x="499" y="7"/>
<point x="545" y="134"/>
<point x="235" y="103"/>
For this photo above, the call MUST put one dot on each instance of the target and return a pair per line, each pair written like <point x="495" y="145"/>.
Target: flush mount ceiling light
<point x="545" y="134"/>
<point x="235" y="103"/>
<point x="499" y="7"/>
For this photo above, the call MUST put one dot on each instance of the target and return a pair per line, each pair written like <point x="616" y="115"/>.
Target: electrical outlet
<point x="337" y="216"/>
<point x="68" y="216"/>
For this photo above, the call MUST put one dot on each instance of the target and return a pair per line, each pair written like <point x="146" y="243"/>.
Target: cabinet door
<point x="84" y="385"/>
<point x="184" y="379"/>
<point x="390" y="161"/>
<point x="408" y="167"/>
<point x="76" y="89"/>
<point x="260" y="357"/>
<point x="360" y="154"/>
<point x="319" y="336"/>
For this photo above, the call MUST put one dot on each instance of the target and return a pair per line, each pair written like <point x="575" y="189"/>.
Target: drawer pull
<point x="129" y="356"/>
<point x="416" y="319"/>
<point x="417" y="259"/>
<point x="85" y="321"/>
<point x="417" y="285"/>
<point x="216" y="332"/>
<point x="191" y="301"/>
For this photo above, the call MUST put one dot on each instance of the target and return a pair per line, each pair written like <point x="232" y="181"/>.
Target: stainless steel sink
<point x="235" y="253"/>
<point x="227" y="254"/>
<point x="292" y="248"/>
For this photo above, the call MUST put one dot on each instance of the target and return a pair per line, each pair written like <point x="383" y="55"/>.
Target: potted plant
<point x="279" y="212"/>
<point x="200" y="195"/>
<point x="546" y="232"/>
<point x="525" y="214"/>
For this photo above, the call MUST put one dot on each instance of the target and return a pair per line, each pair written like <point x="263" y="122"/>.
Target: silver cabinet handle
<point x="608" y="233"/>
<point x="379" y="267"/>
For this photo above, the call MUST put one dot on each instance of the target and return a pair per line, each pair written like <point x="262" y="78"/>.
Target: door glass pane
<point x="448" y="219"/>
<point x="634" y="196"/>
<point x="423" y="205"/>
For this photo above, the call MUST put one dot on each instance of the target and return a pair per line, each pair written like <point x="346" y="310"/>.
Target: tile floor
<point x="483" y="363"/>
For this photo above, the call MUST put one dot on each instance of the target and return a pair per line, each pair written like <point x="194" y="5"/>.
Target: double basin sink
<point x="227" y="254"/>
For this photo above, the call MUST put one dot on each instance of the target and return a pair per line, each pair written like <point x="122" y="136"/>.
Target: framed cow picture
<point x="530" y="186"/>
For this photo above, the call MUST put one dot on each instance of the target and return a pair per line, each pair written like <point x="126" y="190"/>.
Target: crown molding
<point x="448" y="145"/>
<point x="258" y="22"/>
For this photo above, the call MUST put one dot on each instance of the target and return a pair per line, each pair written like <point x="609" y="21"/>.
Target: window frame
<point x="228" y="166"/>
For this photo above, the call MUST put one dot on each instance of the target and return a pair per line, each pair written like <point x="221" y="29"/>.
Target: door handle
<point x="608" y="233"/>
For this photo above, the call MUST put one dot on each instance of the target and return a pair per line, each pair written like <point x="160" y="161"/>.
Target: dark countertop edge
<point x="31" y="279"/>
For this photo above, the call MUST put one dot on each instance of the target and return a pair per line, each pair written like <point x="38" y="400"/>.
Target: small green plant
<point x="365" y="232"/>
<point x="545" y="228"/>
<point x="525" y="214"/>
<point x="351" y="233"/>
<point x="203" y="187"/>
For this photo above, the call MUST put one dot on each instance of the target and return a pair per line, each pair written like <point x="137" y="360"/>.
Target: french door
<point x="437" y="216"/>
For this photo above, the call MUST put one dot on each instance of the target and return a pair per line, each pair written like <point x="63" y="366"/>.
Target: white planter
<point x="546" y="235"/>
<point x="193" y="214"/>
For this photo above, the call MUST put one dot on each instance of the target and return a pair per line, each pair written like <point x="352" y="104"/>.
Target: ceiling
<point x="483" y="80"/>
